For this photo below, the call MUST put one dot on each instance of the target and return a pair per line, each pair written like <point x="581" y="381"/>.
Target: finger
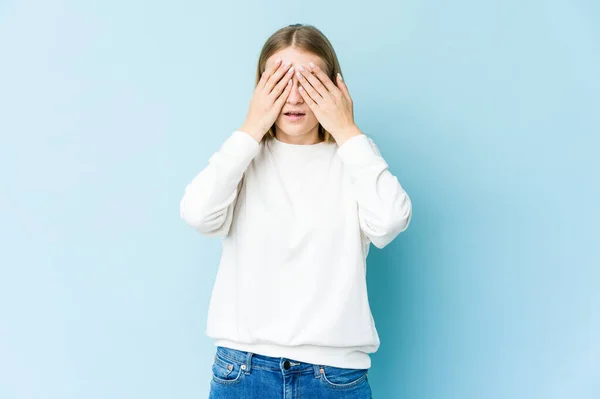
<point x="283" y="97"/>
<point x="307" y="98"/>
<point x="343" y="87"/>
<point x="306" y="88"/>
<point x="268" y="72"/>
<point x="322" y="76"/>
<point x="281" y="86"/>
<point x="276" y="76"/>
<point x="305" y="77"/>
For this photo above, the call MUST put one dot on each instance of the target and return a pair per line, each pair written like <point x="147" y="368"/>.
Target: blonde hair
<point x="306" y="38"/>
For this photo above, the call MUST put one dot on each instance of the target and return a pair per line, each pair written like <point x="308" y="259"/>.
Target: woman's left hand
<point x="331" y="105"/>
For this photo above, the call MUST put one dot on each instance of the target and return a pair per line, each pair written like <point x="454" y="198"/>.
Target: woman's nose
<point x="295" y="97"/>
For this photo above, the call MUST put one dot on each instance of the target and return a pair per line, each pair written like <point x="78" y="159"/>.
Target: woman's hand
<point x="270" y="94"/>
<point x="331" y="105"/>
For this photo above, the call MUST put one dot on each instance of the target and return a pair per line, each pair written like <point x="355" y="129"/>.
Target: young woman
<point x="298" y="193"/>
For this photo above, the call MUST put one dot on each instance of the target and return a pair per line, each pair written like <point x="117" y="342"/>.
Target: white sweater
<point x="297" y="222"/>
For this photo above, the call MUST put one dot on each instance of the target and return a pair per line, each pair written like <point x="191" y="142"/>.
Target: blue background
<point x="487" y="111"/>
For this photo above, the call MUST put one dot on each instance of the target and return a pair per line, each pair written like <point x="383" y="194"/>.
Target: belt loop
<point x="248" y="362"/>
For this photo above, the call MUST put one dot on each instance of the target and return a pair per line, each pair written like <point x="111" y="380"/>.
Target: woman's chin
<point x="292" y="129"/>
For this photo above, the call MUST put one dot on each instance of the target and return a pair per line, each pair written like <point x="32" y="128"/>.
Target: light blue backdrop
<point x="487" y="111"/>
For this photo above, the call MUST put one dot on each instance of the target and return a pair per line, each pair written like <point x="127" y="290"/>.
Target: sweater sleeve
<point x="384" y="208"/>
<point x="209" y="199"/>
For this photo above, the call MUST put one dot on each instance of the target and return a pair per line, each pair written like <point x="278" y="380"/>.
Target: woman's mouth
<point x="294" y="116"/>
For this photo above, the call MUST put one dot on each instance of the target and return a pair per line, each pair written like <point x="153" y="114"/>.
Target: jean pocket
<point x="225" y="371"/>
<point x="343" y="378"/>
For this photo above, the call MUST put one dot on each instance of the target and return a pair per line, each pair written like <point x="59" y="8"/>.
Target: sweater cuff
<point x="241" y="146"/>
<point x="357" y="150"/>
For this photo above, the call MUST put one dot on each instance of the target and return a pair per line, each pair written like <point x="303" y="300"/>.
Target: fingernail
<point x="299" y="75"/>
<point x="278" y="61"/>
<point x="301" y="68"/>
<point x="291" y="71"/>
<point x="340" y="76"/>
<point x="312" y="66"/>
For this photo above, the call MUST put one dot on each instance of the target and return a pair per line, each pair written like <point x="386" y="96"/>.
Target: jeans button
<point x="286" y="365"/>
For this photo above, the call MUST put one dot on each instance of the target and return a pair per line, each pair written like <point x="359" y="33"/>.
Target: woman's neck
<point x="311" y="137"/>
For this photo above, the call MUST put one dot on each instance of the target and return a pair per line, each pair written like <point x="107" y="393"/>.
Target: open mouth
<point x="294" y="116"/>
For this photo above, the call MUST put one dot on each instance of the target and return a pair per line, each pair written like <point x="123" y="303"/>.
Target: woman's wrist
<point x="256" y="133"/>
<point x="343" y="135"/>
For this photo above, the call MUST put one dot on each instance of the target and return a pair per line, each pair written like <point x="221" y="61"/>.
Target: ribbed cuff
<point x="357" y="150"/>
<point x="241" y="145"/>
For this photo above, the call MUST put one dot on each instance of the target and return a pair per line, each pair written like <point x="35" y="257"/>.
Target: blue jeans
<point x="245" y="375"/>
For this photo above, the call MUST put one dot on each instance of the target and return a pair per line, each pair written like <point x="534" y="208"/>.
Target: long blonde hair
<point x="306" y="38"/>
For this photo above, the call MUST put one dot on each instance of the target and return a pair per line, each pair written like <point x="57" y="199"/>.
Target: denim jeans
<point x="238" y="374"/>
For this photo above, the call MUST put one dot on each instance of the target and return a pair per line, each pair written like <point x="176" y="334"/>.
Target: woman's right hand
<point x="270" y="94"/>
